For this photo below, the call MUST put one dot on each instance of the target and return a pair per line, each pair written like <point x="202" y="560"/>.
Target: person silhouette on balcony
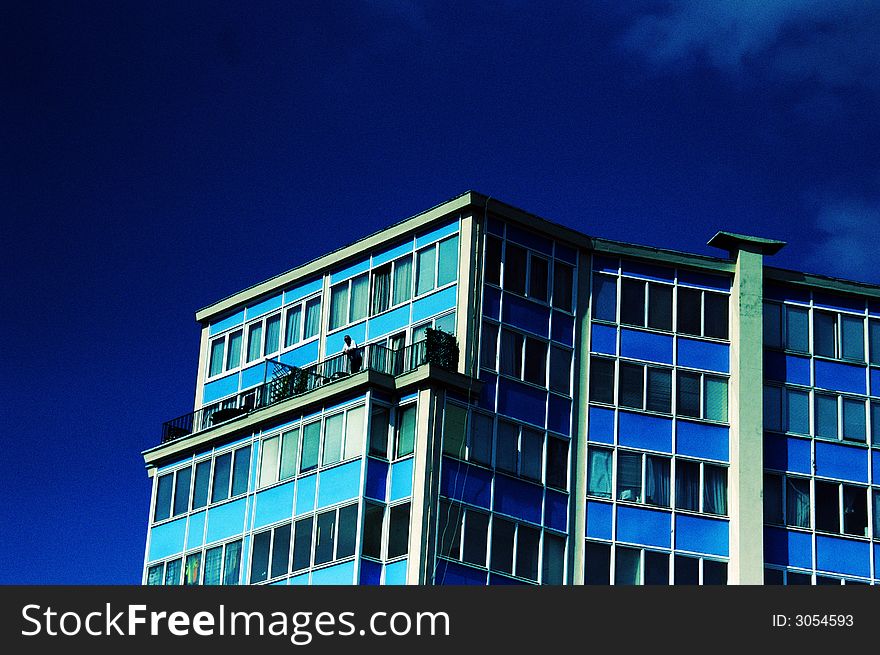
<point x="350" y="350"/>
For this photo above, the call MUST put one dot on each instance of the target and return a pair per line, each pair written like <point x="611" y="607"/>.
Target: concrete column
<point x="467" y="313"/>
<point x="425" y="485"/>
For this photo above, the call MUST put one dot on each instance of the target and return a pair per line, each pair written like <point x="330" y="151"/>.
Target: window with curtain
<point x="539" y="273"/>
<point x="354" y="432"/>
<point x="632" y="384"/>
<point x="339" y="305"/>
<point x="426" y="266"/>
<point x="192" y="569"/>
<point x="515" y="264"/>
<point x="560" y="370"/>
<point x="480" y="446"/>
<point x="657" y="480"/>
<point x="447" y="260"/>
<point x="406" y="430"/>
<point x="714" y="489"/>
<point x="852" y="334"/>
<point x="380" y="297"/>
<point x="824" y="333"/>
<point x="629" y="476"/>
<point x="402" y="280"/>
<point x="855" y="511"/>
<point x="454" y="430"/>
<point x="632" y="302"/>
<point x="255" y="341"/>
<point x="715" y="399"/>
<point x="313" y="318"/>
<point x="854" y="422"/>
<point x="556" y="466"/>
<point x="289" y="452"/>
<point x="332" y="439"/>
<point x="601" y="380"/>
<point x="826" y="416"/>
<point x="797" y="502"/>
<point x="273" y="334"/>
<point x="293" y="327"/>
<point x="218" y="347"/>
<point x="360" y="292"/>
<point x="659" y="392"/>
<point x="627" y="566"/>
<point x="233" y="356"/>
<point x="599" y="472"/>
<point x="232" y="563"/>
<point x="687" y="485"/>
<point x="511" y="355"/>
<point x="268" y="473"/>
<point x="688" y="394"/>
<point x="797" y="329"/>
<point x="798" y="411"/>
<point x="154" y="575"/>
<point x="659" y="306"/>
<point x="311" y="444"/>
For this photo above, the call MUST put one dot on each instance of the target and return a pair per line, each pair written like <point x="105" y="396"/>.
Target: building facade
<point x="520" y="403"/>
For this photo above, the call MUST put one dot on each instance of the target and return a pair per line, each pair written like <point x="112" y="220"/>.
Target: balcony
<point x="283" y="381"/>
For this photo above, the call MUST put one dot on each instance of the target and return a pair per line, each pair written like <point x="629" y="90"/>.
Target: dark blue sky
<point x="156" y="158"/>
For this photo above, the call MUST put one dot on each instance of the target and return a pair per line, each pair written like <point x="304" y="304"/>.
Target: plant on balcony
<point x="441" y="349"/>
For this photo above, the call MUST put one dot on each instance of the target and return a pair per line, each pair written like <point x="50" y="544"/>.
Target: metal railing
<point x="283" y="381"/>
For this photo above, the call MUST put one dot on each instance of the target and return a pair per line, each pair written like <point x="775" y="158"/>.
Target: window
<point x="202" y="483"/>
<point x="181" y="490"/>
<point x="875" y="424"/>
<point x="539" y="276"/>
<point x="335" y="533"/>
<point x="840" y="335"/>
<point x="703" y="313"/>
<point x="402" y="289"/>
<point x="164" y="490"/>
<point x="380" y="293"/>
<point x="310" y="445"/>
<point x="406" y="431"/>
<point x="271" y="554"/>
<point x="302" y="544"/>
<point x="278" y="457"/>
<point x="656" y="568"/>
<point x="447" y="261"/>
<point x="687" y="570"/>
<point x="855" y="511"/>
<point x="826" y="416"/>
<point x="563" y="286"/>
<point x="553" y="558"/>
<point x="797" y="329"/>
<point x="854" y="422"/>
<point x="489" y="346"/>
<point x="876" y="512"/>
<point x="599" y="472"/>
<point x="343" y="436"/>
<point x="604" y="297"/>
<point x="827" y="507"/>
<point x="501" y="558"/>
<point x="687" y="485"/>
<point x="597" y="563"/>
<point x="797" y="502"/>
<point x="192" y="569"/>
<point x="601" y="380"/>
<point x="519" y="450"/>
<point x="714" y="490"/>
<point x="824" y="333"/>
<point x="348" y="301"/>
<point x="231" y="474"/>
<point x="398" y="530"/>
<point x="374" y="517"/>
<point x="556" y="466"/>
<point x="560" y="370"/>
<point x="627" y="566"/>
<point x="643" y="478"/>
<point x="436" y="265"/>
<point x="772" y="325"/>
<point x="632" y="384"/>
<point x="852" y="333"/>
<point x="646" y="304"/>
<point x="492" y="258"/>
<point x="255" y="341"/>
<point x="515" y="266"/>
<point x="874" y="340"/>
<point x="225" y="353"/>
<point x="645" y="387"/>
<point x="714" y="396"/>
<point x="295" y="328"/>
<point x="481" y="437"/>
<point x="475" y="540"/>
<point x="523" y="357"/>
<point x="841" y="508"/>
<point x="379" y="422"/>
<point x="773" y="512"/>
<point x="454" y="430"/>
<point x="527" y="540"/>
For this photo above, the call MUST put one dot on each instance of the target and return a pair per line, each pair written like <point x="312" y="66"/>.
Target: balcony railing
<point x="283" y="381"/>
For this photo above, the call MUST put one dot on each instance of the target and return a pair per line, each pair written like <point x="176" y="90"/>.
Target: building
<point x="602" y="413"/>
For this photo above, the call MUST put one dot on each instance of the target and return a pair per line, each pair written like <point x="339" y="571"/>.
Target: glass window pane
<point x="449" y="527"/>
<point x="181" y="491"/>
<point x="714" y="490"/>
<point x="853" y="337"/>
<point x="656" y="568"/>
<point x="563" y="281"/>
<point x="311" y="442"/>
<point x="489" y="346"/>
<point x="687" y="570"/>
<point x="827" y="507"/>
<point x="492" y="259"/>
<point x="599" y="472"/>
<point x="773" y="498"/>
<point x="172" y="572"/>
<point x="532" y="458"/>
<point x="164" y="489"/>
<point x="354" y="433"/>
<point x="222" y="471"/>
<point x="659" y="393"/>
<point x="539" y="274"/>
<point x="876" y="496"/>
<point x="799" y="578"/>
<point x="855" y="511"/>
<point x="448" y="258"/>
<point x="445" y="323"/>
<point x="772" y="325"/>
<point x="232" y="563"/>
<point x="715" y="321"/>
<point x="338" y="305"/>
<point x="773" y="408"/>
<point x="659" y="306"/>
<point x="273" y="334"/>
<point x="597" y="563"/>
<point x="506" y="446"/>
<point x="380" y="295"/>
<point x="233" y="357"/>
<point x="332" y="439"/>
<point x="203" y="482"/>
<point x="348" y="525"/>
<point x="688" y="401"/>
<point x="502" y="545"/>
<point x="515" y="269"/>
<point x="476" y="538"/>
<point x="797" y="502"/>
<point x="325" y="541"/>
<point x="281" y="550"/>
<point x="632" y="384"/>
<point x="302" y="544"/>
<point x="213" y="565"/>
<point x="632" y="302"/>
<point x="687" y="485"/>
<point x="556" y="469"/>
<point x="629" y="476"/>
<point x="480" y="447"/>
<point x="714" y="573"/>
<point x="527" y="552"/>
<point x="605" y="298"/>
<point x="313" y="318"/>
<point x="511" y="355"/>
<point x="657" y="480"/>
<point x="398" y="531"/>
<point x="773" y="577"/>
<point x="601" y="380"/>
<point x="875" y="425"/>
<point x="535" y="369"/>
<point x="716" y="399"/>
<point x="217" y="348"/>
<point x="402" y="280"/>
<point x="627" y="566"/>
<point x="798" y="411"/>
<point x="824" y="334"/>
<point x="826" y="416"/>
<point x="797" y="329"/>
<point x="406" y="430"/>
<point x="260" y="556"/>
<point x="425" y="269"/>
<point x="560" y="370"/>
<point x="379" y="420"/>
<point x="269" y="461"/>
<point x="454" y="430"/>
<point x="192" y="569"/>
<point x="255" y="341"/>
<point x="689" y="311"/>
<point x="292" y="328"/>
<point x="360" y="297"/>
<point x="874" y="340"/>
<point x="372" y="538"/>
<point x="553" y="569"/>
<point x="854" y="422"/>
<point x="289" y="450"/>
<point x="241" y="470"/>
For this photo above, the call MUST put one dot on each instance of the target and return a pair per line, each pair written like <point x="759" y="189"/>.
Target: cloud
<point x="848" y="231"/>
<point x="829" y="43"/>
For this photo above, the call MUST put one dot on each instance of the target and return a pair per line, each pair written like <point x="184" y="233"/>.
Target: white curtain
<point x="599" y="473"/>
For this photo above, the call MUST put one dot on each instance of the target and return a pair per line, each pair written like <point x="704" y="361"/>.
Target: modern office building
<point x="525" y="404"/>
